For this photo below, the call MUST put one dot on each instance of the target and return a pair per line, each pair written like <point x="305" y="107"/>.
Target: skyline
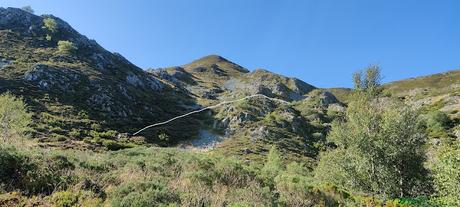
<point x="320" y="42"/>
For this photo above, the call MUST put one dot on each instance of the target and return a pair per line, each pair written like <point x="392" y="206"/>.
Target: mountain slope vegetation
<point x="68" y="110"/>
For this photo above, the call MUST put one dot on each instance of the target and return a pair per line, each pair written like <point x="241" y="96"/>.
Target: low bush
<point x="66" y="47"/>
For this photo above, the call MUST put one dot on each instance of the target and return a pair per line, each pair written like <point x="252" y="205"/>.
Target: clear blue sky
<point x="319" y="41"/>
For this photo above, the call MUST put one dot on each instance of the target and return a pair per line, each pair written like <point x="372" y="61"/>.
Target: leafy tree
<point x="14" y="119"/>
<point x="28" y="9"/>
<point x="369" y="80"/>
<point x="379" y="149"/>
<point x="51" y="25"/>
<point x="66" y="47"/>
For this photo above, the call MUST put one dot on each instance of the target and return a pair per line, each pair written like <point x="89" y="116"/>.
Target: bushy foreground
<point x="160" y="177"/>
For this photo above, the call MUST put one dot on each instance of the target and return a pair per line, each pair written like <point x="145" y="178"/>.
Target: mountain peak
<point x="209" y="60"/>
<point x="213" y="61"/>
<point x="212" y="58"/>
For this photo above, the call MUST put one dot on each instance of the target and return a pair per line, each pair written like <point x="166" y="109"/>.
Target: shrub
<point x="75" y="133"/>
<point x="143" y="193"/>
<point x="96" y="127"/>
<point x="14" y="119"/>
<point x="51" y="25"/>
<point x="272" y="167"/>
<point x="58" y="137"/>
<point x="437" y="124"/>
<point x="163" y="137"/>
<point x="114" y="145"/>
<point x="379" y="149"/>
<point x="64" y="199"/>
<point x="447" y="175"/>
<point x="32" y="172"/>
<point x="66" y="47"/>
<point x="28" y="9"/>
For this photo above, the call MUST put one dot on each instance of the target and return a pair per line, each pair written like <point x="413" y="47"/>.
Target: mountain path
<point x="210" y="107"/>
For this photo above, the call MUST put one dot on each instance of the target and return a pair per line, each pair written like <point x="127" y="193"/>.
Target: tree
<point x="51" y="25"/>
<point x="379" y="148"/>
<point x="66" y="47"/>
<point x="14" y="119"/>
<point x="28" y="9"/>
<point x="370" y="80"/>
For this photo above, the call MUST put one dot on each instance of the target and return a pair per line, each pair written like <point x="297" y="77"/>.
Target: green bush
<point x="437" y="124"/>
<point x="64" y="199"/>
<point x="75" y="133"/>
<point x="50" y="24"/>
<point x="447" y="175"/>
<point x="272" y="167"/>
<point x="58" y="137"/>
<point x="66" y="47"/>
<point x="143" y="193"/>
<point x="114" y="145"/>
<point x="28" y="9"/>
<point x="163" y="137"/>
<point x="31" y="171"/>
<point x="379" y="149"/>
<point x="14" y="119"/>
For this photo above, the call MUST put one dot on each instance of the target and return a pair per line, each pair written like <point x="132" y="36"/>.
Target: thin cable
<point x="210" y="107"/>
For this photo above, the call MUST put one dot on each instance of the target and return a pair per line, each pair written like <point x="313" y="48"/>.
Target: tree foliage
<point x="50" y="24"/>
<point x="28" y="9"/>
<point x="447" y="175"/>
<point x="66" y="47"/>
<point x="379" y="146"/>
<point x="369" y="80"/>
<point x="14" y="119"/>
<point x="273" y="166"/>
<point x="379" y="150"/>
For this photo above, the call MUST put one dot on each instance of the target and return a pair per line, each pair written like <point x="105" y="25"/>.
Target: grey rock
<point x="247" y="151"/>
<point x="327" y="98"/>
<point x="4" y="62"/>
<point x="48" y="77"/>
<point x="134" y="80"/>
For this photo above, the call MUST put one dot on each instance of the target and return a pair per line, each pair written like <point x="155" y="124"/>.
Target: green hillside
<point x="217" y="133"/>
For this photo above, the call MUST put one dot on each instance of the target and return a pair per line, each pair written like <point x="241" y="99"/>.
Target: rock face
<point x="212" y="76"/>
<point x="4" y="62"/>
<point x="213" y="79"/>
<point x="47" y="77"/>
<point x="270" y="84"/>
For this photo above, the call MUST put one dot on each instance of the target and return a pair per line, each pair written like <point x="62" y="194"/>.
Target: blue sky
<point x="319" y="41"/>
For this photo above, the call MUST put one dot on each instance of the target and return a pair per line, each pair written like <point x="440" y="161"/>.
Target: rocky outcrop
<point x="4" y="62"/>
<point x="270" y="84"/>
<point x="48" y="78"/>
